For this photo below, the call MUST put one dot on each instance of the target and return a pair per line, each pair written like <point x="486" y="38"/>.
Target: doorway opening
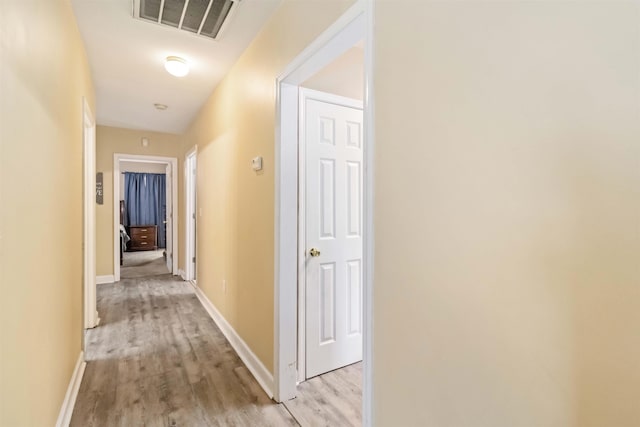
<point x="337" y="217"/>
<point x="145" y="216"/>
<point x="190" y="174"/>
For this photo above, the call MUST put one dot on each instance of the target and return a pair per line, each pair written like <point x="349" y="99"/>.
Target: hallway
<point x="158" y="359"/>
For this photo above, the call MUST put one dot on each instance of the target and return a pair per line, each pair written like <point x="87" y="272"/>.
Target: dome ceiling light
<point x="176" y="66"/>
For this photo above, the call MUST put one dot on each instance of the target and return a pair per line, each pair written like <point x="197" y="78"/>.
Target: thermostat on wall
<point x="256" y="163"/>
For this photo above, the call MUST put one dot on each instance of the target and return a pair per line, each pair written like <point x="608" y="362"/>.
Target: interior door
<point x="333" y="233"/>
<point x="168" y="221"/>
<point x="191" y="215"/>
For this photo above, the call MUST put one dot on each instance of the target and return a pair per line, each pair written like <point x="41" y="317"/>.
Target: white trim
<point x="182" y="274"/>
<point x="190" y="162"/>
<point x="349" y="29"/>
<point x="255" y="366"/>
<point x="119" y="157"/>
<point x="175" y="219"/>
<point x="103" y="280"/>
<point x="64" y="417"/>
<point x="89" y="216"/>
<point x="301" y="362"/>
<point x="368" y="395"/>
<point x="285" y="255"/>
<point x="306" y="94"/>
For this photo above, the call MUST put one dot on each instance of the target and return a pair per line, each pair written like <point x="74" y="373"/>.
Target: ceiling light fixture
<point x="160" y="107"/>
<point x="176" y="66"/>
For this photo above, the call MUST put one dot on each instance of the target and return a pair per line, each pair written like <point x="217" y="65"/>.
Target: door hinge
<point x="193" y="260"/>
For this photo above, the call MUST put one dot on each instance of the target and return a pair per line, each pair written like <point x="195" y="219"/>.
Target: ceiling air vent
<point x="203" y="17"/>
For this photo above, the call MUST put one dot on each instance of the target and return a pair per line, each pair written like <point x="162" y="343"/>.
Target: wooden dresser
<point x="143" y="237"/>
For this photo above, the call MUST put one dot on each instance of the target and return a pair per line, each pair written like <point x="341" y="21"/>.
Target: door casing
<point x="89" y="222"/>
<point x="353" y="26"/>
<point x="169" y="220"/>
<point x="173" y="161"/>
<point x="190" y="181"/>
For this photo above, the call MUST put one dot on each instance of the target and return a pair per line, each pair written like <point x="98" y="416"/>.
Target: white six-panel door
<point x="191" y="178"/>
<point x="333" y="138"/>
<point x="169" y="217"/>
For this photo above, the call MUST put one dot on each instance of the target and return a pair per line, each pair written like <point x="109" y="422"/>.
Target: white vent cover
<point x="203" y="17"/>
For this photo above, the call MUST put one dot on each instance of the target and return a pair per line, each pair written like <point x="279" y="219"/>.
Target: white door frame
<point x="304" y="95"/>
<point x="89" y="214"/>
<point x="119" y="157"/>
<point x="168" y="171"/>
<point x="354" y="25"/>
<point x="190" y="182"/>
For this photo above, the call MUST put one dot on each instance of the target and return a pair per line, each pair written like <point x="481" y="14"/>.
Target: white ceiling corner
<point x="126" y="57"/>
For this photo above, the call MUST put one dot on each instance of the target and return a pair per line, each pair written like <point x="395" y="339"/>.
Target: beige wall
<point x="44" y="75"/>
<point x="236" y="229"/>
<point x="109" y="141"/>
<point x="344" y="76"/>
<point x="507" y="278"/>
<point x="142" y="167"/>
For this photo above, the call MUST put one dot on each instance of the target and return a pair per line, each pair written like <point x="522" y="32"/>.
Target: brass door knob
<point x="314" y="252"/>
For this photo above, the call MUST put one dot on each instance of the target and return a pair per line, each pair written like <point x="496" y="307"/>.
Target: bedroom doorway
<point x="145" y="216"/>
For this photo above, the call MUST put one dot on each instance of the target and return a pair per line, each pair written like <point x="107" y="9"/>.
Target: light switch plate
<point x="256" y="163"/>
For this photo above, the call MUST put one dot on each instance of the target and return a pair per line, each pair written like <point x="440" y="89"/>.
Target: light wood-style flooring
<point x="332" y="399"/>
<point x="157" y="359"/>
<point x="138" y="264"/>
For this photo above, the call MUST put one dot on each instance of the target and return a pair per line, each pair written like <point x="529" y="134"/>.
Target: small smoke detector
<point x="206" y="18"/>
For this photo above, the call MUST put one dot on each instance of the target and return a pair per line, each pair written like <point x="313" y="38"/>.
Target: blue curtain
<point x="145" y="201"/>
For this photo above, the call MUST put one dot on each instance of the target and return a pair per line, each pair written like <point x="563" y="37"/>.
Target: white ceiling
<point x="127" y="55"/>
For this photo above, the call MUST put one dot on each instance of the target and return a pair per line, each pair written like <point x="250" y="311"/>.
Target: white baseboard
<point x="64" y="418"/>
<point x="101" y="280"/>
<point x="255" y="366"/>
<point x="182" y="274"/>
